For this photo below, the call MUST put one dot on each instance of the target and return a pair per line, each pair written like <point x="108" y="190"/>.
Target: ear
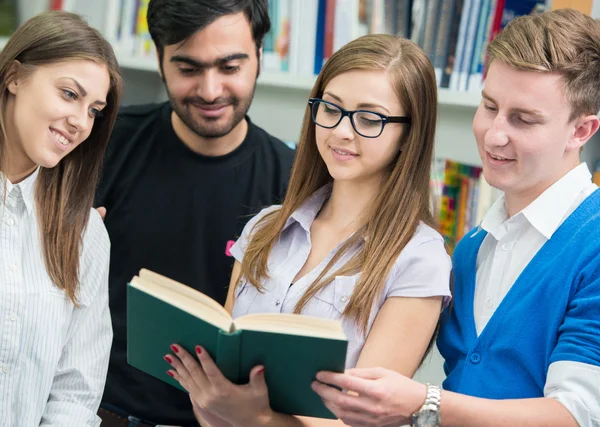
<point x="13" y="77"/>
<point x="260" y="57"/>
<point x="585" y="128"/>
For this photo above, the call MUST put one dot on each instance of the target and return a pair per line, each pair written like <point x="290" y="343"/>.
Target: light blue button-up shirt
<point x="421" y="270"/>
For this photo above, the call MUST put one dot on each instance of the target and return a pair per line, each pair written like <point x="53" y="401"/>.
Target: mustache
<point x="196" y="100"/>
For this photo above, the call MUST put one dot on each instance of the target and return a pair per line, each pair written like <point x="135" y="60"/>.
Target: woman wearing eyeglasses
<point x="354" y="238"/>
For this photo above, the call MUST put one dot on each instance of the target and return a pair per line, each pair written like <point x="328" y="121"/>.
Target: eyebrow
<point x="361" y="105"/>
<point x="83" y="91"/>
<point x="536" y="113"/>
<point x="204" y="64"/>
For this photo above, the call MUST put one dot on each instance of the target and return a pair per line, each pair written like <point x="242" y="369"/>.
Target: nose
<point x="496" y="136"/>
<point x="79" y="121"/>
<point x="210" y="86"/>
<point x="344" y="130"/>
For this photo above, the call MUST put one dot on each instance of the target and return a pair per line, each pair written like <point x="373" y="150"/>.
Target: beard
<point x="211" y="127"/>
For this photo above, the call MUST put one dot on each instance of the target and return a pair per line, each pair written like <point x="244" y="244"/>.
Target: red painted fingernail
<point x="198" y="349"/>
<point x="260" y="371"/>
<point x="174" y="348"/>
<point x="168" y="359"/>
<point x="171" y="373"/>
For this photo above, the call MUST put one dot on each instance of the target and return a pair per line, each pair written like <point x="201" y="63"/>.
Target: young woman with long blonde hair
<point x="59" y="91"/>
<point x="354" y="238"/>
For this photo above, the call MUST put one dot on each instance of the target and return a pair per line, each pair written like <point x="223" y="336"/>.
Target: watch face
<point x="426" y="418"/>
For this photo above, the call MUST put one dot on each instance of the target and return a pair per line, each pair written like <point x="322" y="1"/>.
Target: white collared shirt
<point x="53" y="356"/>
<point x="511" y="243"/>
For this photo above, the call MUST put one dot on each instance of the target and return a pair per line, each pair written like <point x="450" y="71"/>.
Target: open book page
<point x="183" y="297"/>
<point x="291" y="324"/>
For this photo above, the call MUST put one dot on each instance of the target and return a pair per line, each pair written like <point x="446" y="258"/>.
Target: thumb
<point x="367" y="373"/>
<point x="102" y="211"/>
<point x="257" y="378"/>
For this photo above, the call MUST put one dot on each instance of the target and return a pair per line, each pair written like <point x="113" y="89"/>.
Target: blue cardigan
<point x="552" y="313"/>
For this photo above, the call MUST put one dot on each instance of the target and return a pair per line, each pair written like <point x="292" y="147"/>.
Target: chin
<point x="48" y="162"/>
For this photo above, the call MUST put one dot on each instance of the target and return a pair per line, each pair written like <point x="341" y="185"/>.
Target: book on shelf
<point x="596" y="175"/>
<point x="292" y="347"/>
<point x="8" y="17"/>
<point x="461" y="197"/>
<point x="304" y="34"/>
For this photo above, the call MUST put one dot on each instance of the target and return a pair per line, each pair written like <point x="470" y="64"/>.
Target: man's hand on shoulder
<point x="102" y="211"/>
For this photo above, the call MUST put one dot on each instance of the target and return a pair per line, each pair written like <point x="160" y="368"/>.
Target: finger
<point x="346" y="382"/>
<point x="351" y="418"/>
<point x="181" y="380"/>
<point x="211" y="370"/>
<point x="257" y="379"/>
<point x="188" y="367"/>
<point x="367" y="373"/>
<point x="102" y="211"/>
<point x="344" y="401"/>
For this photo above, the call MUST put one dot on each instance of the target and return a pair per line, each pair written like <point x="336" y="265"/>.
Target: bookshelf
<point x="288" y="82"/>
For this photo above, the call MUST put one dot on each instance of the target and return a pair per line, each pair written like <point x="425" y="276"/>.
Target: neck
<point x="348" y="201"/>
<point x="516" y="202"/>
<point x="210" y="147"/>
<point x="16" y="163"/>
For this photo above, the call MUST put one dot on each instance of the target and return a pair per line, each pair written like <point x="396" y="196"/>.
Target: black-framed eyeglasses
<point x="366" y="123"/>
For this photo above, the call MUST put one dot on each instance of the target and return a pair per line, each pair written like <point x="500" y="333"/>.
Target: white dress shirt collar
<point x="547" y="211"/>
<point x="25" y="188"/>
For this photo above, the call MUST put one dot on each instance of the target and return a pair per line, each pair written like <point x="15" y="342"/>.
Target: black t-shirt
<point x="177" y="213"/>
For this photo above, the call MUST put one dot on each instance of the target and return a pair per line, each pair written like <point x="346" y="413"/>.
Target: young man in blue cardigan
<point x="522" y="342"/>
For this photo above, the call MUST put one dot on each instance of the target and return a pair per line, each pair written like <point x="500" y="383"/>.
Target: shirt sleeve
<point x="574" y="374"/>
<point x="422" y="269"/>
<point x="238" y="249"/>
<point x="575" y="385"/>
<point x="81" y="372"/>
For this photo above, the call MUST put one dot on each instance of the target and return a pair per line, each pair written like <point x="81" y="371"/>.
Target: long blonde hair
<point x="403" y="201"/>
<point x="64" y="194"/>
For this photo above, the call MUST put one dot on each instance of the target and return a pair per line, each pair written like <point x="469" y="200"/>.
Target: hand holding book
<point x="210" y="390"/>
<point x="291" y="347"/>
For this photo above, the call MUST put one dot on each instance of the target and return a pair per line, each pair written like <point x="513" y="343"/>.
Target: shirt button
<point x="475" y="358"/>
<point x="5" y="369"/>
<point x="278" y="303"/>
<point x="13" y="317"/>
<point x="13" y="267"/>
<point x="344" y="298"/>
<point x="506" y="247"/>
<point x="489" y="303"/>
<point x="10" y="221"/>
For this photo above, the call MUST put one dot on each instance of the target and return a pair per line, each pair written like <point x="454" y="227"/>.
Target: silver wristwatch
<point x="429" y="414"/>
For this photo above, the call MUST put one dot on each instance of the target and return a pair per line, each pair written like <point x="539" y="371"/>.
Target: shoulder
<point x="240" y="246"/>
<point x="96" y="243"/>
<point x="134" y="116"/>
<point x="259" y="216"/>
<point x="279" y="150"/>
<point x="426" y="249"/>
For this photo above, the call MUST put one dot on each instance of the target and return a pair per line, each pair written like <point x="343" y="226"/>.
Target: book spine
<point x="228" y="355"/>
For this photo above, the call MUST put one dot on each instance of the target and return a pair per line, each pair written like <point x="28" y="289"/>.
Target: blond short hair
<point x="565" y="42"/>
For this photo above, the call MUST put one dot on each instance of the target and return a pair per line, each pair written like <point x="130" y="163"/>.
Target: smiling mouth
<point x="60" y="137"/>
<point x="498" y="157"/>
<point x="343" y="153"/>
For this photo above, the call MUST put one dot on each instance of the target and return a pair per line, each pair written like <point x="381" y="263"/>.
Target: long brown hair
<point x="403" y="201"/>
<point x="64" y="194"/>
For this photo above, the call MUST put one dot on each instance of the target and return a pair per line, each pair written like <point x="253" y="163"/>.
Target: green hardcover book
<point x="293" y="348"/>
<point x="8" y="17"/>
